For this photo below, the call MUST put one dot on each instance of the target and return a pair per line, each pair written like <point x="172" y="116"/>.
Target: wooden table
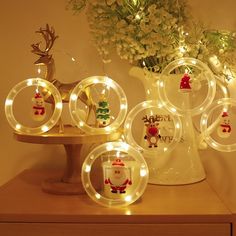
<point x="72" y="139"/>
<point x="194" y="210"/>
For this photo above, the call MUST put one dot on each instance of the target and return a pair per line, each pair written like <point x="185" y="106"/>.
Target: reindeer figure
<point x="47" y="60"/>
<point x="152" y="132"/>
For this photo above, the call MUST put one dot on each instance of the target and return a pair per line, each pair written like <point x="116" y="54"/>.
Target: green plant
<point x="152" y="33"/>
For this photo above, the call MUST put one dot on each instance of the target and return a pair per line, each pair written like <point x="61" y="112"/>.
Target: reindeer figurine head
<point x="45" y="58"/>
<point x="152" y="132"/>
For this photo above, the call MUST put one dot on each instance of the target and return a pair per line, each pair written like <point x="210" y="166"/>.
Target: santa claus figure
<point x="185" y="83"/>
<point x="118" y="177"/>
<point x="38" y="112"/>
<point x="224" y="129"/>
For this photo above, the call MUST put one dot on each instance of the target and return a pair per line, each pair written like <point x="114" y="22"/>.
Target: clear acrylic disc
<point x="162" y="128"/>
<point x="47" y="125"/>
<point x="187" y="85"/>
<point x="218" y="126"/>
<point x="97" y="87"/>
<point x="114" y="174"/>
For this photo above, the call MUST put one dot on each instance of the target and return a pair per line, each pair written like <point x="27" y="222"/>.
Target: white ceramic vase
<point x="181" y="165"/>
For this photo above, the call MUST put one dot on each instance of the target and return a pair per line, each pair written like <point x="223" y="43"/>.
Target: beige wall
<point x="19" y="20"/>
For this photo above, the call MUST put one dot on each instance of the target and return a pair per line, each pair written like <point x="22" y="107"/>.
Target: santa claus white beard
<point x="118" y="181"/>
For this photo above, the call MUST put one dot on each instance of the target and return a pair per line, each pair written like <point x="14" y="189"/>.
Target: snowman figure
<point x="118" y="179"/>
<point x="185" y="83"/>
<point x="224" y="129"/>
<point x="38" y="109"/>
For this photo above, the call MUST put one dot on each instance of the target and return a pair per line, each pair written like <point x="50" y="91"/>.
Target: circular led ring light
<point x="77" y="117"/>
<point x="221" y="84"/>
<point x="120" y="147"/>
<point x="194" y="63"/>
<point x="38" y="82"/>
<point x="128" y="128"/>
<point x="224" y="102"/>
<point x="224" y="89"/>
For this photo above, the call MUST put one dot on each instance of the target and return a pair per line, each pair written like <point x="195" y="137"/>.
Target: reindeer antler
<point x="49" y="38"/>
<point x="154" y="118"/>
<point x="146" y="119"/>
<point x="151" y="119"/>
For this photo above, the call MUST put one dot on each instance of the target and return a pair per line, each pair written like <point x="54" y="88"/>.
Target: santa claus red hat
<point x="37" y="95"/>
<point x="118" y="162"/>
<point x="225" y="114"/>
<point x="186" y="75"/>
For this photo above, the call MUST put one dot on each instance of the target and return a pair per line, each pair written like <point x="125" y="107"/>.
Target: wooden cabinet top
<point x="22" y="200"/>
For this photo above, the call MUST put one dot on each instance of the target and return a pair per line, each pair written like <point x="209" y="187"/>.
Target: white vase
<point x="181" y="165"/>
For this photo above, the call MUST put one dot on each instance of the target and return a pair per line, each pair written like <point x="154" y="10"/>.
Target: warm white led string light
<point x="129" y="125"/>
<point x="77" y="117"/>
<point x="126" y="199"/>
<point x="187" y="62"/>
<point x="207" y="130"/>
<point x="37" y="82"/>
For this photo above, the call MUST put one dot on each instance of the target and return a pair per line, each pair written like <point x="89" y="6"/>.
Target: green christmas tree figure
<point x="103" y="113"/>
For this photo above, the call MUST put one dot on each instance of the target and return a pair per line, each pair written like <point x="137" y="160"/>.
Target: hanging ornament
<point x="180" y="104"/>
<point x="103" y="113"/>
<point x="39" y="111"/>
<point x="49" y="123"/>
<point x="224" y="129"/>
<point x="119" y="177"/>
<point x="185" y="83"/>
<point x="212" y="120"/>
<point x="93" y="82"/>
<point x="125" y="174"/>
<point x="167" y="134"/>
<point x="152" y="131"/>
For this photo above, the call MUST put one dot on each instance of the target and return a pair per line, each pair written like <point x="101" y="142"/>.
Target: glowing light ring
<point x="128" y="128"/>
<point x="223" y="102"/>
<point x="37" y="82"/>
<point x="77" y="117"/>
<point x="194" y="63"/>
<point x="224" y="90"/>
<point x="221" y="85"/>
<point x="96" y="153"/>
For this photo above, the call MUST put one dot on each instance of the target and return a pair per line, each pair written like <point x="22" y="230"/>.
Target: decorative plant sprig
<point x="142" y="32"/>
<point x="76" y="5"/>
<point x="152" y="33"/>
